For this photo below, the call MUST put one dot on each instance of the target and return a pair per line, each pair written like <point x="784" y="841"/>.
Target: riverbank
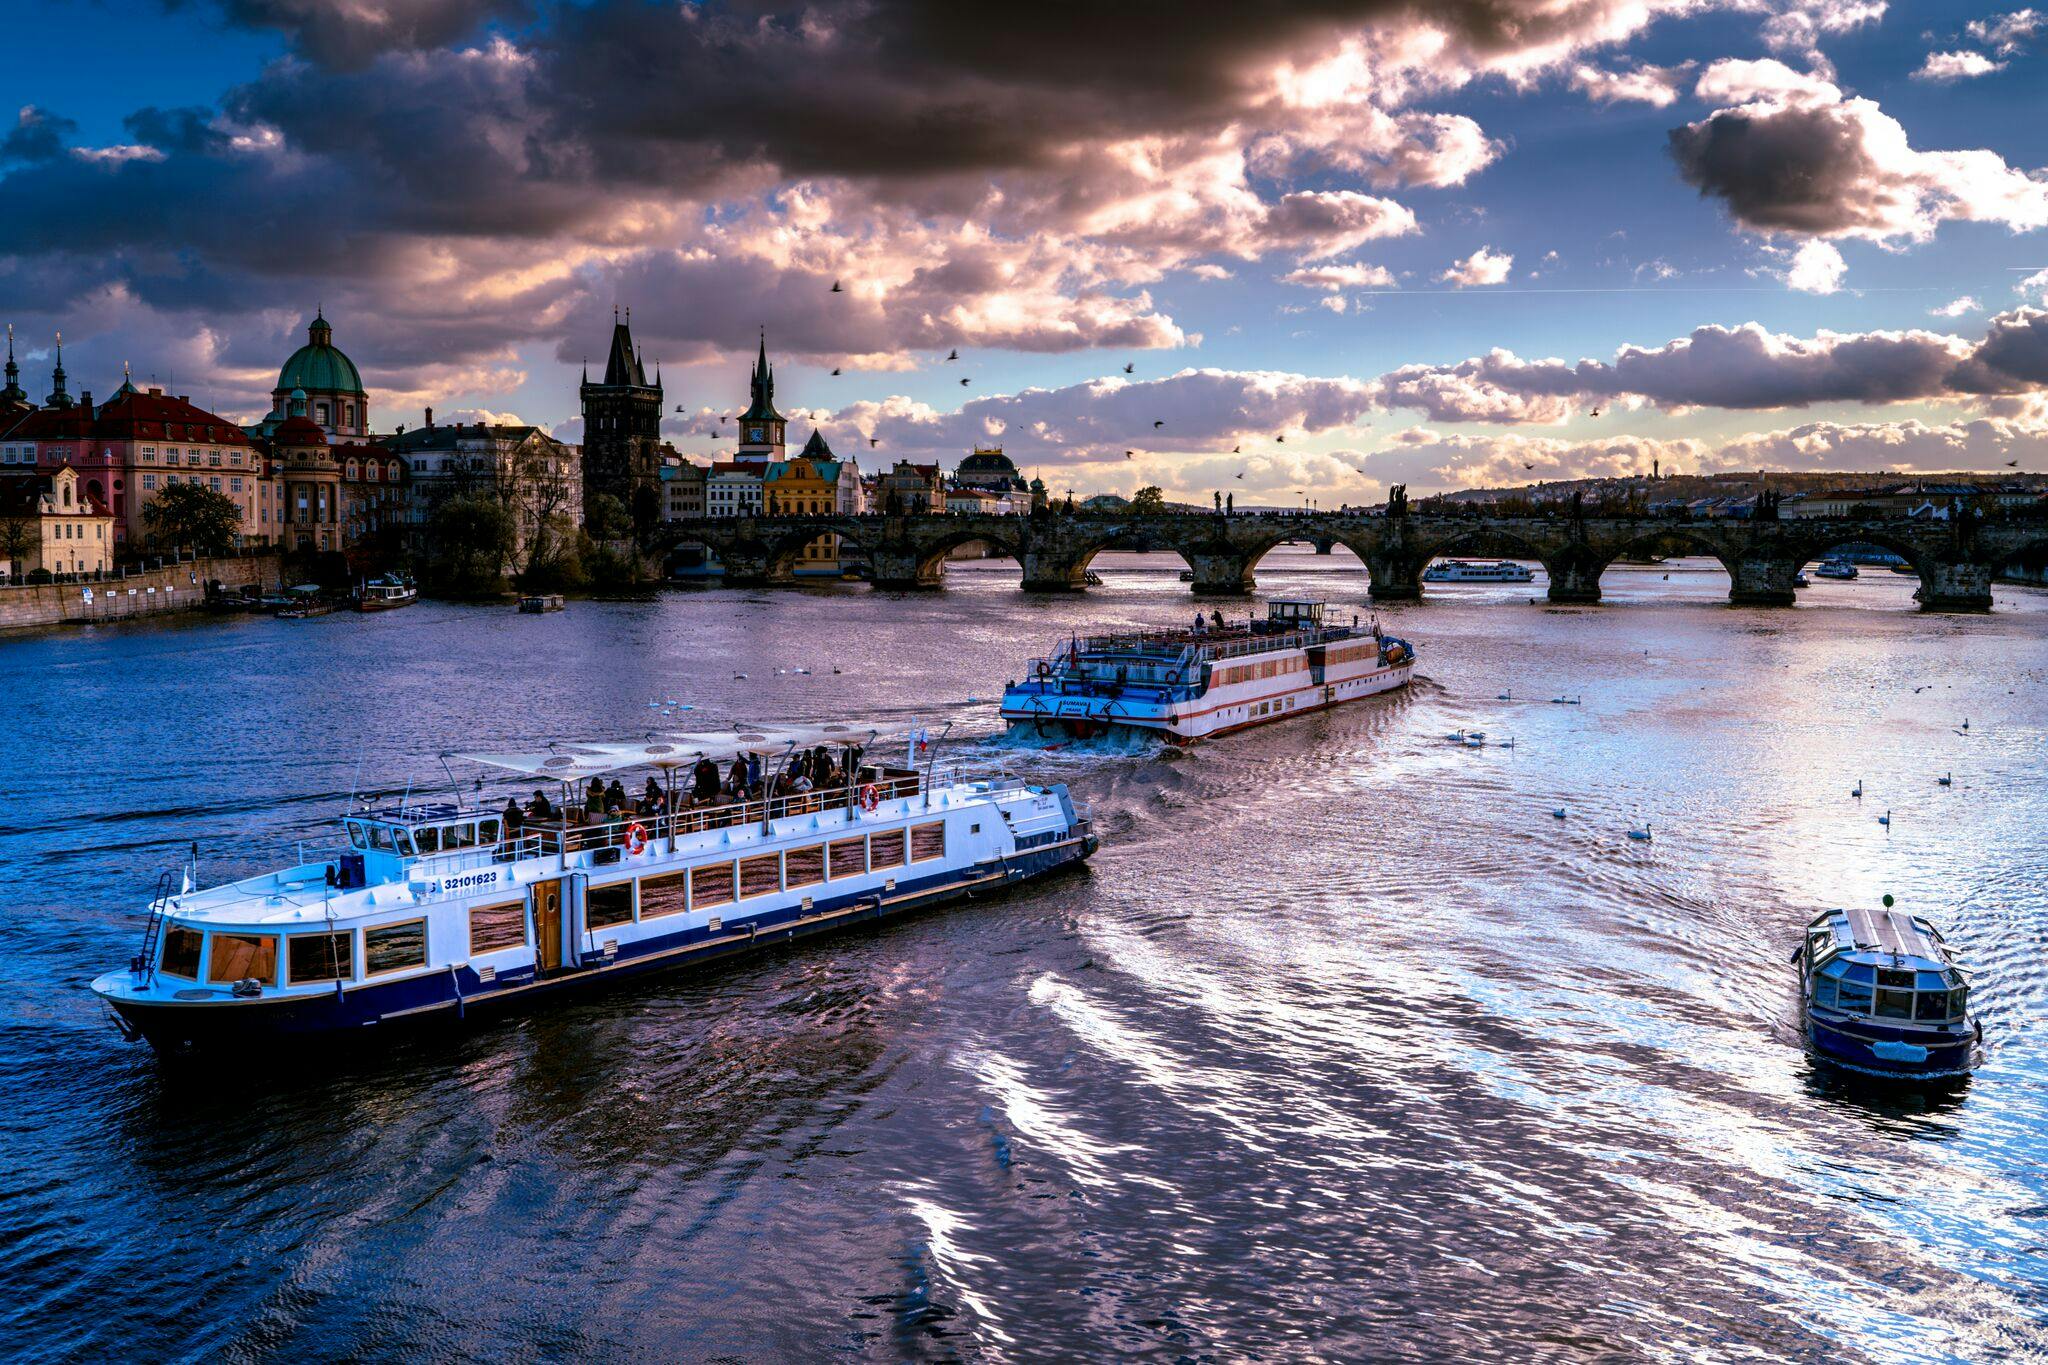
<point x="153" y="592"/>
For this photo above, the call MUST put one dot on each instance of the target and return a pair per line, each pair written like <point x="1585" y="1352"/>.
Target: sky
<point x="1326" y="245"/>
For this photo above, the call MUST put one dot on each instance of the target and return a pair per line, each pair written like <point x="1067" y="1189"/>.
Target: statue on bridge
<point x="1397" y="500"/>
<point x="1766" y="508"/>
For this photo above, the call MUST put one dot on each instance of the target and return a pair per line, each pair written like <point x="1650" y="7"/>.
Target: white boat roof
<point x="574" y="760"/>
<point x="561" y="765"/>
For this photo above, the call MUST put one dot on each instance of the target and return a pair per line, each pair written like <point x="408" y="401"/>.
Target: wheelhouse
<point x="1889" y="966"/>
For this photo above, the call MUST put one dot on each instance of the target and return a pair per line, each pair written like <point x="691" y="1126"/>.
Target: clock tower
<point x="761" y="426"/>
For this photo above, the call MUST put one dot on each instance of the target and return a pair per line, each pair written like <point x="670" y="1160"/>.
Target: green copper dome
<point x="317" y="367"/>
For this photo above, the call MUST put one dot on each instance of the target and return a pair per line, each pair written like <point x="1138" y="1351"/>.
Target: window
<point x="849" y="857"/>
<point x="662" y="896"/>
<point x="234" y="485"/>
<point x="238" y="956"/>
<point x="886" y="849"/>
<point x="928" y="841"/>
<point x="711" y="884"/>
<point x="149" y="483"/>
<point x="492" y="927"/>
<point x="395" y="947"/>
<point x="761" y="875"/>
<point x="1895" y="1004"/>
<point x="804" y="866"/>
<point x="1931" y="1006"/>
<point x="213" y="458"/>
<point x="181" y="953"/>
<point x="321" y="957"/>
<point x="604" y="906"/>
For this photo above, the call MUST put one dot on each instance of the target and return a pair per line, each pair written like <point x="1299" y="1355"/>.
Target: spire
<point x="58" y="398"/>
<point x="12" y="393"/>
<point x="622" y="367"/>
<point x="762" y="388"/>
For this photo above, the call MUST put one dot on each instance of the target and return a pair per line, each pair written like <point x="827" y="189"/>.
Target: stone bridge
<point x="1956" y="561"/>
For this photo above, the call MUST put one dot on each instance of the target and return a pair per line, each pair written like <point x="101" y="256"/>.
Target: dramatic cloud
<point x="1817" y="268"/>
<point x="1790" y="154"/>
<point x="37" y="135"/>
<point x="2006" y="33"/>
<point x="1799" y="27"/>
<point x="1484" y="266"/>
<point x="1742" y="367"/>
<point x="1956" y="66"/>
<point x="1657" y="86"/>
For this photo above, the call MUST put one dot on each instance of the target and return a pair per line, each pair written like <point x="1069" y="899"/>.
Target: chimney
<point x="184" y="398"/>
<point x="156" y="393"/>
<point x="430" y="418"/>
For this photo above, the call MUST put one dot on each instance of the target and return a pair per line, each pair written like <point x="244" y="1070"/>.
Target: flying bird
<point x="873" y="442"/>
<point x="2012" y="464"/>
<point x="1157" y="425"/>
<point x="1240" y="473"/>
<point x="1596" y="412"/>
<point x="681" y="408"/>
<point x="1129" y="453"/>
<point x="1130" y="369"/>
<point x="1282" y="438"/>
<point x="1528" y="466"/>
<point x="953" y="355"/>
<point x="835" y="369"/>
<point x="965" y="380"/>
<point x="1237" y="450"/>
<point x="836" y="289"/>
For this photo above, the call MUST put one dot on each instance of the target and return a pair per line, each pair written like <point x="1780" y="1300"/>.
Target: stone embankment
<point x="176" y="587"/>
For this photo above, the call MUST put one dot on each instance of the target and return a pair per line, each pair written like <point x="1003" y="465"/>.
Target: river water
<point x="1343" y="1047"/>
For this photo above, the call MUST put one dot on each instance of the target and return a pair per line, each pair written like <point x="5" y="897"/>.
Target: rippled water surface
<point x="1342" y="1047"/>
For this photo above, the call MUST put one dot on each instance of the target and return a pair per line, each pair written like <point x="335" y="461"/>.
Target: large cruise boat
<point x="438" y="909"/>
<point x="1191" y="684"/>
<point x="1478" y="571"/>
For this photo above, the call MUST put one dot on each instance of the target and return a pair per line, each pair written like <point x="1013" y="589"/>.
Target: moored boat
<point x="535" y="604"/>
<point x="1883" y="995"/>
<point x="1835" y="568"/>
<point x="1478" y="571"/>
<point x="386" y="594"/>
<point x="437" y="909"/>
<point x="1194" y="683"/>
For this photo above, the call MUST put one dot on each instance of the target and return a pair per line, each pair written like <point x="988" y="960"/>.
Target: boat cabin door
<point x="547" y="924"/>
<point x="1316" y="664"/>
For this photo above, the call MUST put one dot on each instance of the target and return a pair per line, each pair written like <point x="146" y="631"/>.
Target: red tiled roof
<point x="298" y="431"/>
<point x="136" y="415"/>
<point x="53" y="424"/>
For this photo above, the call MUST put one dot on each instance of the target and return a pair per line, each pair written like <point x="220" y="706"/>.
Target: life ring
<point x="636" y="839"/>
<point x="870" y="797"/>
<point x="1041" y="669"/>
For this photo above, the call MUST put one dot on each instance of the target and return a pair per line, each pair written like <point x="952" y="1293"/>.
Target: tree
<point x="473" y="537"/>
<point x="1147" y="501"/>
<point x="191" y="516"/>
<point x="21" y="532"/>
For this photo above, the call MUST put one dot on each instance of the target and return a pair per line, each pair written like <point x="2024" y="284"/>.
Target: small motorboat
<point x="304" y="602"/>
<point x="1835" y="568"/>
<point x="534" y="604"/>
<point x="1883" y="995"/>
<point x="386" y="594"/>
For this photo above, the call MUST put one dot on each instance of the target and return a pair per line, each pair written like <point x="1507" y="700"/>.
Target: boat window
<point x="1854" y="997"/>
<point x="458" y="836"/>
<point x="804" y="866"/>
<point x="428" y="839"/>
<point x="402" y="838"/>
<point x="1931" y="981"/>
<point x="1837" y="969"/>
<point x="711" y="884"/>
<point x="181" y="953"/>
<point x="1931" y="1006"/>
<point x="1959" y="1002"/>
<point x="395" y="947"/>
<point x="849" y="857"/>
<point x="761" y="874"/>
<point x="1894" y="1004"/>
<point x="928" y="841"/>
<point x="1824" y="993"/>
<point x="355" y="835"/>
<point x="492" y="927"/>
<point x="239" y="956"/>
<point x="885" y="848"/>
<point x="487" y="830"/>
<point x="1896" y="980"/>
<point x="663" y="895"/>
<point x="380" y="837"/>
<point x="1859" y="971"/>
<point x="321" y="957"/>
<point x="604" y="906"/>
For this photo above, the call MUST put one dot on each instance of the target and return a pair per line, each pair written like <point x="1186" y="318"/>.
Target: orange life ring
<point x="870" y="797"/>
<point x="636" y="839"/>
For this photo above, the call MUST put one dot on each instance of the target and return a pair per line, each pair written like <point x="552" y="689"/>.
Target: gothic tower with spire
<point x="13" y="399"/>
<point x="622" y="431"/>
<point x="761" y="426"/>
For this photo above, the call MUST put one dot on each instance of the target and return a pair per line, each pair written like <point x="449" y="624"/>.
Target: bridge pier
<point x="1050" y="571"/>
<point x="1396" y="576"/>
<point x="1962" y="586"/>
<point x="746" y="567"/>
<point x="1573" y="580"/>
<point x="1220" y="575"/>
<point x="1760" y="582"/>
<point x="903" y="570"/>
<point x="1325" y="545"/>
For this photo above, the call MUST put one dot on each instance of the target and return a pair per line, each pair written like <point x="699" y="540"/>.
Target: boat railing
<point x="563" y="838"/>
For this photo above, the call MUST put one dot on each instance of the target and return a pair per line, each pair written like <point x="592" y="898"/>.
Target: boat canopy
<point x="561" y="765"/>
<point x="772" y="739"/>
<point x="574" y="760"/>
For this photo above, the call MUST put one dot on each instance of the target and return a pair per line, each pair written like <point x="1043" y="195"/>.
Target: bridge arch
<point x="929" y="554"/>
<point x="1483" y="539"/>
<point x="792" y="551"/>
<point x="1652" y="538"/>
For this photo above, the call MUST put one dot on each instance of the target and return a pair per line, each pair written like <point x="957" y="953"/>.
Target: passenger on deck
<point x="652" y="802"/>
<point x="736" y="784"/>
<point x="514" y="818"/>
<point x="615" y="799"/>
<point x="1218" y="616"/>
<point x="753" y="771"/>
<point x="1201" y="627"/>
<point x="543" y="809"/>
<point x="704" y="781"/>
<point x="593" y="801"/>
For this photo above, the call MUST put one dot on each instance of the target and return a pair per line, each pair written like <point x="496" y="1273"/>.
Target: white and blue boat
<point x="444" y="909"/>
<point x="1882" y="995"/>
<point x="1186" y="685"/>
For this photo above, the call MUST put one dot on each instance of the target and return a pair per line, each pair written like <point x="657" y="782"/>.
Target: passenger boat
<point x="1882" y="994"/>
<point x="436" y="909"/>
<point x="1835" y="568"/>
<point x="1191" y="684"/>
<point x="535" y="604"/>
<point x="385" y="594"/>
<point x="1478" y="571"/>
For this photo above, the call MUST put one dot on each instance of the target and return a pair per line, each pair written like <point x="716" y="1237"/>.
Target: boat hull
<point x="1082" y="718"/>
<point x="218" y="1021"/>
<point x="1873" y="1049"/>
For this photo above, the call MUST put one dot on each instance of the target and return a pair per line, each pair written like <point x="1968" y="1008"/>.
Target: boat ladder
<point x="145" y="961"/>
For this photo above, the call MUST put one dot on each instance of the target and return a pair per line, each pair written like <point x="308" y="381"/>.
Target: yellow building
<point x="808" y="486"/>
